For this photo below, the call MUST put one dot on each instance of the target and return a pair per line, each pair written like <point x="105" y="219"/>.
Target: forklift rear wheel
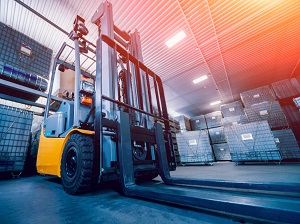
<point x="77" y="164"/>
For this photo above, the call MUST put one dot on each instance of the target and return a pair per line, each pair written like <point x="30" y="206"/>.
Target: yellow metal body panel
<point x="50" y="152"/>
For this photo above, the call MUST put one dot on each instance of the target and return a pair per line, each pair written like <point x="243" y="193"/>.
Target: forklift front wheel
<point x="77" y="164"/>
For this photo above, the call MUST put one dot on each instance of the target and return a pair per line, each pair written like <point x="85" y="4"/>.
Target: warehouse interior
<point x="164" y="111"/>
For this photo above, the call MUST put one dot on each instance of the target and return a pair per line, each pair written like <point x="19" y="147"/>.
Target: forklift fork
<point x="242" y="204"/>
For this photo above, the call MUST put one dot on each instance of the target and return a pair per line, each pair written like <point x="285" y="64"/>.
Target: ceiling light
<point x="174" y="40"/>
<point x="215" y="103"/>
<point x="200" y="79"/>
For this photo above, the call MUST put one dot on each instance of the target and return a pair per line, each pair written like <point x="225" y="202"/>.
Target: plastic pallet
<point x="263" y="156"/>
<point x="205" y="158"/>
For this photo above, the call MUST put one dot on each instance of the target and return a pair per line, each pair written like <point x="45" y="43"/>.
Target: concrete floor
<point x="39" y="199"/>
<point x="267" y="172"/>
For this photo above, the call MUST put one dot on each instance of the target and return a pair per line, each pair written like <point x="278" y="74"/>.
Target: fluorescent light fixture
<point x="200" y="79"/>
<point x="215" y="103"/>
<point x="175" y="39"/>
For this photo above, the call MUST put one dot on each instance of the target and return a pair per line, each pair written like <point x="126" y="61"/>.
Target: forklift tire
<point x="77" y="164"/>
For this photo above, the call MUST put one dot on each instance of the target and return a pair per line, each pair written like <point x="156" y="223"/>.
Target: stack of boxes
<point x="213" y="119"/>
<point x="217" y="136"/>
<point x="259" y="131"/>
<point x="184" y="123"/>
<point x="233" y="114"/>
<point x="287" y="144"/>
<point x="286" y="88"/>
<point x="194" y="146"/>
<point x="175" y="128"/>
<point x="267" y="111"/>
<point x="252" y="142"/>
<point x="287" y="91"/>
<point x="266" y="108"/>
<point x="198" y="123"/>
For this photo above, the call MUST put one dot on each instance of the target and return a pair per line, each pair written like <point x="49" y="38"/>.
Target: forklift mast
<point x="118" y="47"/>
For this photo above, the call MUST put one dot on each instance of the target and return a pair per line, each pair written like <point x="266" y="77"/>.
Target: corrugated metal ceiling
<point x="240" y="44"/>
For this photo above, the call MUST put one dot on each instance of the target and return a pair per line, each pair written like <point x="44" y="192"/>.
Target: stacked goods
<point x="269" y="111"/>
<point x="214" y="124"/>
<point x="293" y="116"/>
<point x="175" y="128"/>
<point x="36" y="59"/>
<point x="194" y="147"/>
<point x="286" y="88"/>
<point x="240" y="119"/>
<point x="287" y="144"/>
<point x="198" y="123"/>
<point x="252" y="142"/>
<point x="22" y="77"/>
<point x="257" y="95"/>
<point x="222" y="152"/>
<point x="232" y="109"/>
<point x="213" y="119"/>
<point x="233" y="114"/>
<point x="285" y="91"/>
<point x="184" y="123"/>
<point x="15" y="125"/>
<point x="23" y="61"/>
<point x="217" y="135"/>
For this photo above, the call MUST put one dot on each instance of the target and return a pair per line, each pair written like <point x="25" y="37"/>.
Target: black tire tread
<point x="85" y="179"/>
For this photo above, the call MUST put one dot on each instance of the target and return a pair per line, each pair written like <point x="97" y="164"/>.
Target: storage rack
<point x="15" y="126"/>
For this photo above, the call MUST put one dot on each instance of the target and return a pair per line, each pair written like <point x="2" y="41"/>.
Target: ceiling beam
<point x="198" y="47"/>
<point x="219" y="48"/>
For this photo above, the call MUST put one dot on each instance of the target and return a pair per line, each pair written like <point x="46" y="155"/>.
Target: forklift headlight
<point x="87" y="88"/>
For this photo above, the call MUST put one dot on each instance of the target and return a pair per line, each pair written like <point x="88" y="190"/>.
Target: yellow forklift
<point x="105" y="130"/>
<point x="80" y="142"/>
